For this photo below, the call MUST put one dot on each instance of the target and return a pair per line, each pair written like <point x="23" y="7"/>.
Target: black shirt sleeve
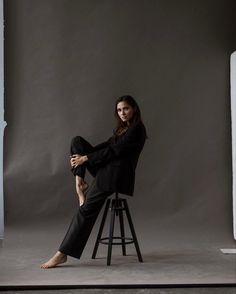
<point x="127" y="143"/>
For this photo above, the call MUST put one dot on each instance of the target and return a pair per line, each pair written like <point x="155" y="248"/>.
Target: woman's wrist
<point x="85" y="158"/>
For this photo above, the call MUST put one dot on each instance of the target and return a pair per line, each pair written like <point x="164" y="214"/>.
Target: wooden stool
<point x="116" y="206"/>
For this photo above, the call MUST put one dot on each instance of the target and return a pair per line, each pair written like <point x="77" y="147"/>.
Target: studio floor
<point x="168" y="259"/>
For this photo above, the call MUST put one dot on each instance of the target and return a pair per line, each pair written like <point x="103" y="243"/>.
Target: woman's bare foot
<point x="81" y="186"/>
<point x="58" y="258"/>
<point x="80" y="195"/>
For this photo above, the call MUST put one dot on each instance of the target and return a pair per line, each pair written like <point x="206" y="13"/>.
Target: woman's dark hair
<point x="121" y="126"/>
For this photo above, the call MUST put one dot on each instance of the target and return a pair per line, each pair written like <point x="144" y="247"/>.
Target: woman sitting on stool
<point x="112" y="164"/>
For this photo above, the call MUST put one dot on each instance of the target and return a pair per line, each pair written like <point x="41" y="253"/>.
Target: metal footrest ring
<point x="116" y="243"/>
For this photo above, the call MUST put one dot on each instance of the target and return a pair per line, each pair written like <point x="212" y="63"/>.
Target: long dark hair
<point x="121" y="126"/>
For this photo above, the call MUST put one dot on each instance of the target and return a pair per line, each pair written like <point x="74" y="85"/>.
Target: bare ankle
<point x="78" y="178"/>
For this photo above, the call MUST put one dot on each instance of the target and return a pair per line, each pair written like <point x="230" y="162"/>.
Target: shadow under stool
<point x="117" y="206"/>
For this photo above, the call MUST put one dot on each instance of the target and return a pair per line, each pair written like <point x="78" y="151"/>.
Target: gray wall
<point x="67" y="61"/>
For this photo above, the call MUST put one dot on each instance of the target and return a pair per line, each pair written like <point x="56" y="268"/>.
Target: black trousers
<point x="85" y="217"/>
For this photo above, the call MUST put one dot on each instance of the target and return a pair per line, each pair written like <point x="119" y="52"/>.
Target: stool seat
<point x="116" y="206"/>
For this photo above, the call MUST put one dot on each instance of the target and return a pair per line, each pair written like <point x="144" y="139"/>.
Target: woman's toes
<point x="44" y="265"/>
<point x="81" y="200"/>
<point x="54" y="261"/>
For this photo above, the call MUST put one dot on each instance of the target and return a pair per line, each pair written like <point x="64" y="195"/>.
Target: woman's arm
<point x="131" y="141"/>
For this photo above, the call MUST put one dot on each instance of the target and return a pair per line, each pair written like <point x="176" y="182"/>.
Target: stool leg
<point x="122" y="229"/>
<point x="101" y="228"/>
<point x="112" y="224"/>
<point x="116" y="205"/>
<point x="132" y="230"/>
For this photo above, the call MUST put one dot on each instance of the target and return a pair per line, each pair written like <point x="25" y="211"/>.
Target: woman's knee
<point x="80" y="145"/>
<point x="76" y="139"/>
<point x="76" y="145"/>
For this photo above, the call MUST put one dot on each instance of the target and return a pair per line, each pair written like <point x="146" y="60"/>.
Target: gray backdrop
<point x="67" y="61"/>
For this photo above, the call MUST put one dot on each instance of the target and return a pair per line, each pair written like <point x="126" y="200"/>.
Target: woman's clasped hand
<point x="76" y="159"/>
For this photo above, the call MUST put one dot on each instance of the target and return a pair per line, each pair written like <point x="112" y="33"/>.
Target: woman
<point x="113" y="164"/>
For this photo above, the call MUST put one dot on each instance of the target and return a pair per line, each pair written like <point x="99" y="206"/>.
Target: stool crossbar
<point x="116" y="206"/>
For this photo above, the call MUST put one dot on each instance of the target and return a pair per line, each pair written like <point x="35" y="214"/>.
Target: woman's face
<point x="125" y="111"/>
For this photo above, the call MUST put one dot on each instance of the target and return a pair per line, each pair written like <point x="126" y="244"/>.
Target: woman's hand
<point x="77" y="159"/>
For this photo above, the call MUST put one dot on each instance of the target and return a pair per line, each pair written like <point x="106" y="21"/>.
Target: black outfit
<point x="113" y="164"/>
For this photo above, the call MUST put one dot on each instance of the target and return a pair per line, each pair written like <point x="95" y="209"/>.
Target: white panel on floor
<point x="233" y="121"/>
